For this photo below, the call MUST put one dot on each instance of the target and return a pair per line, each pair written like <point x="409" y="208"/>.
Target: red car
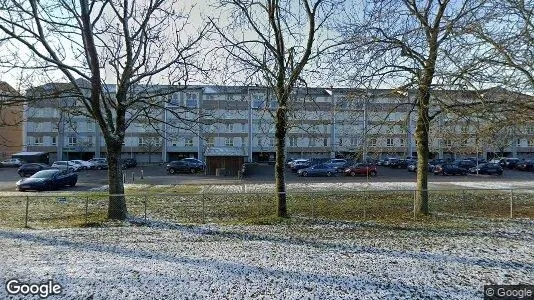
<point x="361" y="169"/>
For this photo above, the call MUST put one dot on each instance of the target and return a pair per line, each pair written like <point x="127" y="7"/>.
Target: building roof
<point x="224" y="151"/>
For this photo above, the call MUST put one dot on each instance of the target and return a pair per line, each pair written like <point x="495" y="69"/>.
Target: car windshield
<point x="44" y="174"/>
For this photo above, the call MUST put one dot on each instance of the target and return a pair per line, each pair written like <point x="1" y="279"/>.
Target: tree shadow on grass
<point x="229" y="270"/>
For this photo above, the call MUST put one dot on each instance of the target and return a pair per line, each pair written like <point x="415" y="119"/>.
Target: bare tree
<point x="407" y="44"/>
<point x="272" y="42"/>
<point x="88" y="42"/>
<point x="508" y="38"/>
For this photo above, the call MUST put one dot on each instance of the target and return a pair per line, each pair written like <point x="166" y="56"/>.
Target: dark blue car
<point x="318" y="170"/>
<point x="48" y="180"/>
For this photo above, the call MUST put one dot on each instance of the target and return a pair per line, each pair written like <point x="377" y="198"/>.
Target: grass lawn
<point x="185" y="204"/>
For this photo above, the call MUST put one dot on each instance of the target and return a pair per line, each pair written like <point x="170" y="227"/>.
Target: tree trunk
<point x="281" y="124"/>
<point x="421" y="136"/>
<point x="117" y="201"/>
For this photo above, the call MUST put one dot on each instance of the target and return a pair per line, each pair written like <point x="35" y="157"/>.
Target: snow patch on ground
<point x="315" y="261"/>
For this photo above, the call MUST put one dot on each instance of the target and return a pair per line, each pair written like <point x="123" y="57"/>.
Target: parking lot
<point x="259" y="173"/>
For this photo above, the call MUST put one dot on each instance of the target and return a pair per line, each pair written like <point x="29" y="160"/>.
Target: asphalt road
<point x="259" y="174"/>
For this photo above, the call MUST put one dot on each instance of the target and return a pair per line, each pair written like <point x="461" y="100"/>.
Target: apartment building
<point x="323" y="122"/>
<point x="10" y="121"/>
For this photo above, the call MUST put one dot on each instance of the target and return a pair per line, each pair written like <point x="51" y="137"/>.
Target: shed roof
<point x="224" y="151"/>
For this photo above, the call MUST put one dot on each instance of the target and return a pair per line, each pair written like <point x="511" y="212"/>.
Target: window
<point x="229" y="142"/>
<point x="258" y="101"/>
<point x="210" y="142"/>
<point x="175" y="98"/>
<point x="271" y="142"/>
<point x="174" y="143"/>
<point x="518" y="142"/>
<point x="38" y="140"/>
<point x="353" y="141"/>
<point x="402" y="142"/>
<point x="54" y="141"/>
<point x="340" y="142"/>
<point x="243" y="127"/>
<point x="293" y="142"/>
<point x="373" y="142"/>
<point x="72" y="141"/>
<point x="389" y="142"/>
<point x="191" y="100"/>
<point x="312" y="142"/>
<point x="149" y="141"/>
<point x="531" y="143"/>
<point x="189" y="142"/>
<point x="447" y="143"/>
<point x="325" y="142"/>
<point x="229" y="127"/>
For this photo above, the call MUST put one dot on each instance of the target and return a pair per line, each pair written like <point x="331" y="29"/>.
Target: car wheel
<point x="352" y="173"/>
<point x="172" y="171"/>
<point x="192" y="171"/>
<point x="328" y="173"/>
<point x="372" y="173"/>
<point x="305" y="174"/>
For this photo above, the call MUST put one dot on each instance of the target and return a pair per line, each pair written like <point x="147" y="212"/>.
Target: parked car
<point x="99" y="163"/>
<point x="183" y="166"/>
<point x="300" y="164"/>
<point x="338" y="163"/>
<point x="64" y="165"/>
<point x="29" y="169"/>
<point x="48" y="180"/>
<point x="398" y="163"/>
<point x="450" y="169"/>
<point x="466" y="163"/>
<point x="361" y="169"/>
<point x="509" y="162"/>
<point x="128" y="163"/>
<point x="77" y="165"/>
<point x="487" y="168"/>
<point x="12" y="162"/>
<point x="525" y="165"/>
<point x="197" y="163"/>
<point x="389" y="161"/>
<point x="438" y="161"/>
<point x="292" y="163"/>
<point x="288" y="162"/>
<point x="381" y="162"/>
<point x="84" y="165"/>
<point x="318" y="170"/>
<point x="412" y="167"/>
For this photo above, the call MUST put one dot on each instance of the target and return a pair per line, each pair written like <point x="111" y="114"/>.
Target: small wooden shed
<point x="224" y="161"/>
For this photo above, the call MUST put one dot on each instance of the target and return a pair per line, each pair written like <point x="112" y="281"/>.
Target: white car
<point x="297" y="161"/>
<point x="64" y="165"/>
<point x="84" y="165"/>
<point x="12" y="162"/>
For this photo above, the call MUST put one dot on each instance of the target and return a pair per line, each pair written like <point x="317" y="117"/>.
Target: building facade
<point x="323" y="122"/>
<point x="10" y="121"/>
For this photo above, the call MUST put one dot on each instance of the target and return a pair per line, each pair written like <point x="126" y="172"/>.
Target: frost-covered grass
<point x="89" y="209"/>
<point x="296" y="259"/>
